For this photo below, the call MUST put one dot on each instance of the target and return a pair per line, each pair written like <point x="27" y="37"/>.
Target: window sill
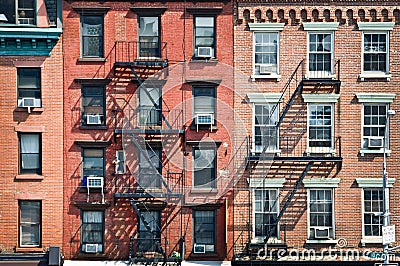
<point x="271" y="76"/>
<point x="29" y="249"/>
<point x="321" y="241"/>
<point x="380" y="151"/>
<point x="320" y="150"/>
<point x="92" y="59"/>
<point x="375" y="75"/>
<point x="202" y="128"/>
<point x="201" y="190"/>
<point x="204" y="60"/>
<point x="92" y="255"/>
<point x="33" y="109"/>
<point x="271" y="240"/>
<point x="371" y="240"/>
<point x="93" y="127"/>
<point x="83" y="189"/>
<point x="29" y="177"/>
<point x="275" y="152"/>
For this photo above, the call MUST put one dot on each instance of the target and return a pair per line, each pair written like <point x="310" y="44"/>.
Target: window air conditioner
<point x="375" y="142"/>
<point x="199" y="248"/>
<point x="322" y="232"/>
<point x="204" y="51"/>
<point x="266" y="69"/>
<point x="93" y="119"/>
<point x="91" y="248"/>
<point x="204" y="119"/>
<point x="28" y="102"/>
<point x="94" y="182"/>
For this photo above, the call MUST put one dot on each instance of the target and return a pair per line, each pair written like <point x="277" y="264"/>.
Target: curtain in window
<point x="92" y="227"/>
<point x="204" y="227"/>
<point x="30" y="151"/>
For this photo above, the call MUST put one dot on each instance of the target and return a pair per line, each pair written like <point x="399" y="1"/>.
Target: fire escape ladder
<point x="134" y="204"/>
<point x="141" y="142"/>
<point x="289" y="199"/>
<point x="297" y="78"/>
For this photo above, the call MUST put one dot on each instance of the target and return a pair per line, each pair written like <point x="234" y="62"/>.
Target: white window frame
<point x="267" y="28"/>
<point x="321" y="184"/>
<point x="371" y="183"/>
<point x="265" y="99"/>
<point x="120" y="162"/>
<point x="321" y="28"/>
<point x="374" y="99"/>
<point x="376" y="28"/>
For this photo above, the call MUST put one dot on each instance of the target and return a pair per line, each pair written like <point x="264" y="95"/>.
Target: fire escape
<point x="145" y="126"/>
<point x="293" y="162"/>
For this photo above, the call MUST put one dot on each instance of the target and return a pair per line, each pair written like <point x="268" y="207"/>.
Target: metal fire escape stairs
<point x="298" y="79"/>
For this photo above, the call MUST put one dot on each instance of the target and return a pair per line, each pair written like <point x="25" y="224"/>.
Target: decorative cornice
<point x="375" y="26"/>
<point x="93" y="143"/>
<point x="154" y="11"/>
<point x="265" y="97"/>
<point x="204" y="10"/>
<point x="321" y="182"/>
<point x="373" y="182"/>
<point x="320" y="97"/>
<point x="320" y="26"/>
<point x="375" y="97"/>
<point x="266" y="26"/>
<point x="266" y="182"/>
<point x="91" y="10"/>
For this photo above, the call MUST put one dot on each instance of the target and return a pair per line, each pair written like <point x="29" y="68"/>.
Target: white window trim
<point x="117" y="161"/>
<point x="322" y="186"/>
<point x="367" y="239"/>
<point x="321" y="182"/>
<point x="264" y="98"/>
<point x="253" y="199"/>
<point x="320" y="26"/>
<point x="321" y="31"/>
<point x="266" y="28"/>
<point x="374" y="98"/>
<point x="266" y="182"/>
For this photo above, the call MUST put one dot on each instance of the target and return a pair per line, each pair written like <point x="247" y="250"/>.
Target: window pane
<point x="92" y="34"/>
<point x="204" y="21"/>
<point x="92" y="228"/>
<point x="30" y="219"/>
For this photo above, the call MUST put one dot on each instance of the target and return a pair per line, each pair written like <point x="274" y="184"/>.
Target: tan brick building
<point x="326" y="79"/>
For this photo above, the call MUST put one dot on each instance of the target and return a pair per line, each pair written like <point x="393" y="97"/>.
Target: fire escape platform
<point x="144" y="63"/>
<point x="149" y="131"/>
<point x="255" y="158"/>
<point x="147" y="195"/>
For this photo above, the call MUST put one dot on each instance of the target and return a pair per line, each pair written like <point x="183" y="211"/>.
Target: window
<point x="266" y="203"/>
<point x="150" y="168"/>
<point x="30" y="156"/>
<point x="375" y="52"/>
<point x="120" y="162"/>
<point x="204" y="167"/>
<point x="149" y="36"/>
<point x="321" y="214"/>
<point x="266" y="53"/>
<point x="149" y="106"/>
<point x="93" y="163"/>
<point x="265" y="131"/>
<point x="92" y="35"/>
<point x="204" y="108"/>
<point x="29" y="83"/>
<point x="149" y="241"/>
<point x="373" y="206"/>
<point x="92" y="231"/>
<point x="374" y="126"/>
<point x="320" y="126"/>
<point x="30" y="218"/>
<point x="21" y="12"/>
<point x="93" y="105"/>
<point x="320" y="54"/>
<point x="204" y="231"/>
<point x="204" y="31"/>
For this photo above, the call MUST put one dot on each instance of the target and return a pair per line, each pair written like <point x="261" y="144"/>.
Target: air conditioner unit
<point x="28" y="102"/>
<point x="93" y="119"/>
<point x="91" y="248"/>
<point x="204" y="51"/>
<point x="375" y="142"/>
<point x="266" y="69"/>
<point x="94" y="182"/>
<point x="198" y="248"/>
<point x="322" y="232"/>
<point x="204" y="119"/>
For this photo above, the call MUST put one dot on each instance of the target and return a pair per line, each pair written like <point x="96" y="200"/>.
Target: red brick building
<point x="326" y="80"/>
<point x="148" y="108"/>
<point x="31" y="70"/>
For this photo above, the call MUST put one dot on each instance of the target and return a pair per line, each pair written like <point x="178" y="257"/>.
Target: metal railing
<point x="143" y="51"/>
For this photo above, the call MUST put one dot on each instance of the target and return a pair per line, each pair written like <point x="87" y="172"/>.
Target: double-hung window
<point x="149" y="36"/>
<point x="30" y="152"/>
<point x="29" y="87"/>
<point x="320" y="125"/>
<point x="375" y="121"/>
<point x="93" y="163"/>
<point x="148" y="239"/>
<point x="92" y="40"/>
<point x="373" y="206"/>
<point x="22" y="12"/>
<point x="92" y="231"/>
<point x="204" y="171"/>
<point x="320" y="213"/>
<point x="30" y="219"/>
<point x="93" y="105"/>
<point x="265" y="130"/>
<point x="204" y="37"/>
<point x="150" y="104"/>
<point x="120" y="162"/>
<point x="204" y="105"/>
<point x="375" y="49"/>
<point x="204" y="231"/>
<point x="266" y="204"/>
<point x="266" y="49"/>
<point x="150" y="168"/>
